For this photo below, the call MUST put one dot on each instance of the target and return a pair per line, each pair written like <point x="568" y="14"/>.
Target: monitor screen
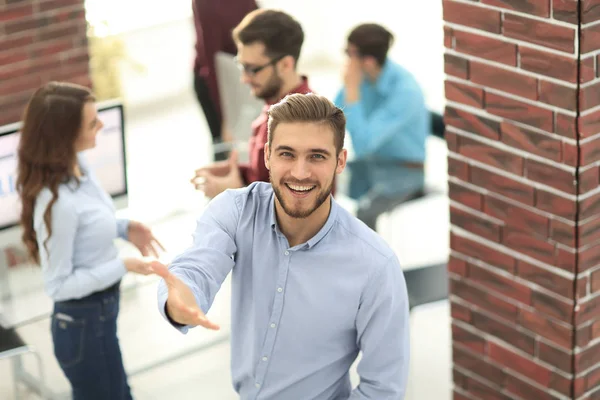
<point x="107" y="159"/>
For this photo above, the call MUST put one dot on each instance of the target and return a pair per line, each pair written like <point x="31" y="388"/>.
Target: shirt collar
<point x="384" y="81"/>
<point x="322" y="232"/>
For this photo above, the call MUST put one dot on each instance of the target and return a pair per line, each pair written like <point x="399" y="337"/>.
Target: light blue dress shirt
<point x="391" y="120"/>
<point x="300" y="315"/>
<point x="81" y="256"/>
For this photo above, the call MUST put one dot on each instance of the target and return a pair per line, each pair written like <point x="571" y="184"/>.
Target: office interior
<point x="167" y="138"/>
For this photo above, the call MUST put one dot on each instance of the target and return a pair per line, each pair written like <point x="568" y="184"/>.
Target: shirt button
<point x="287" y="253"/>
<point x="257" y="384"/>
<point x="272" y="325"/>
<point x="264" y="358"/>
<point x="279" y="289"/>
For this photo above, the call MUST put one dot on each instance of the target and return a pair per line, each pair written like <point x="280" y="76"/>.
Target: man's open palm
<point x="181" y="303"/>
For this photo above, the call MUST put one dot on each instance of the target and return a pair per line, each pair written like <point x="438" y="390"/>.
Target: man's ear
<point x="341" y="161"/>
<point x="287" y="63"/>
<point x="267" y="156"/>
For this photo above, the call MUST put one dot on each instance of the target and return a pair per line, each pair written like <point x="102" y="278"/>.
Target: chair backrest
<point x="238" y="105"/>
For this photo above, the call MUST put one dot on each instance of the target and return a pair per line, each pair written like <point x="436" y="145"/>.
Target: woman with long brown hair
<point x="69" y="225"/>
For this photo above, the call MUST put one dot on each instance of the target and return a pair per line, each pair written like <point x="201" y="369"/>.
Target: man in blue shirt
<point x="311" y="285"/>
<point x="388" y="122"/>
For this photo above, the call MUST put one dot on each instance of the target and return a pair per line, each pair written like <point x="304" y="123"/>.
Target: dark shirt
<point x="214" y="20"/>
<point x="256" y="169"/>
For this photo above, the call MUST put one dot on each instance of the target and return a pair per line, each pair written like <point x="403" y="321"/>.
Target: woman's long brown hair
<point x="46" y="155"/>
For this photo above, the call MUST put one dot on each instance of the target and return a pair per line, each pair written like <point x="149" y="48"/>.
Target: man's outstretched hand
<point x="181" y="303"/>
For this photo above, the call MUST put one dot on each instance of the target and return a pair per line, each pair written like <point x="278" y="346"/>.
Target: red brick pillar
<point x="40" y="40"/>
<point x="523" y="130"/>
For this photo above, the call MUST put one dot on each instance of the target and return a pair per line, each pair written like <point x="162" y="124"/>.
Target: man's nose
<point x="300" y="170"/>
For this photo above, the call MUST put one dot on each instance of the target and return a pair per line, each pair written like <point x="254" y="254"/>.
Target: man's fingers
<point x="205" y="322"/>
<point x="159" y="244"/>
<point x="162" y="271"/>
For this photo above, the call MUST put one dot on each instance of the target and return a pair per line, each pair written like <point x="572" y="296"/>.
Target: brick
<point x="55" y="4"/>
<point x="475" y="224"/>
<point x="589" y="207"/>
<point x="548" y="64"/>
<point x="25" y="24"/>
<point x="481" y="299"/>
<point x="472" y="15"/>
<point x="467" y="339"/>
<point x="465" y="196"/>
<point x="463" y="93"/>
<point x="590" y="39"/>
<point x="520" y="364"/>
<point x="502" y="185"/>
<point x="589" y="310"/>
<point x="590" y="151"/>
<point x="565" y="125"/>
<point x="491" y="155"/>
<point x="530" y="141"/>
<point x="500" y="284"/>
<point x="15" y="43"/>
<point x="589" y="97"/>
<point x="541" y="8"/>
<point x="458" y="169"/>
<point x="472" y="123"/>
<point x="16" y="13"/>
<point x="593" y="379"/>
<point x="531" y="246"/>
<point x="471" y="362"/>
<point x="561" y="96"/>
<point x="555" y="356"/>
<point x="551" y="175"/>
<point x="595" y="329"/>
<point x="515" y="110"/>
<point x="510" y="81"/>
<point x="565" y="259"/>
<point x="524" y="390"/>
<point x="588" y="358"/>
<point x="13" y="57"/>
<point x="541" y="33"/>
<point x="452" y="140"/>
<point x="485" y="390"/>
<point x="553" y="306"/>
<point x="583" y="336"/>
<point x="486" y="47"/>
<point x="587" y="70"/>
<point x="506" y="332"/>
<point x="562" y="232"/>
<point x="558" y="333"/>
<point x="456" y="66"/>
<point x="566" y="11"/>
<point x="589" y="232"/>
<point x="582" y="288"/>
<point x="595" y="282"/>
<point x="570" y="154"/>
<point x="63" y="30"/>
<point x="589" y="124"/>
<point x="483" y="253"/>
<point x="545" y="278"/>
<point x="25" y="83"/>
<point x="448" y="38"/>
<point x="590" y="11"/>
<point x="460" y="312"/>
<point x="516" y="218"/>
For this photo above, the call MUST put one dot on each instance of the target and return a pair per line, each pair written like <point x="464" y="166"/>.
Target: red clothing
<point x="256" y="169"/>
<point x="214" y="21"/>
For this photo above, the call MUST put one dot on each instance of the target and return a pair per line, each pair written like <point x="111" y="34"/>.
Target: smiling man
<point x="312" y="286"/>
<point x="268" y="47"/>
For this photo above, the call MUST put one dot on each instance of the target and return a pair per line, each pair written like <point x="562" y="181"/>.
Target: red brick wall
<point x="40" y="41"/>
<point x="523" y="129"/>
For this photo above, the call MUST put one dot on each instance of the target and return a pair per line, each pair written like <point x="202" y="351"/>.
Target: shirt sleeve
<point x="391" y="118"/>
<point x="204" y="266"/>
<point x="63" y="282"/>
<point x="123" y="228"/>
<point x="383" y="336"/>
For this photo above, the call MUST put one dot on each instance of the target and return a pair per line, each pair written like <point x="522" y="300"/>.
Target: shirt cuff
<point x="122" y="228"/>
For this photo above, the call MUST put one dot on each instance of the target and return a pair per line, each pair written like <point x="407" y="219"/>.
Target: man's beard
<point x="300" y="213"/>
<point x="271" y="89"/>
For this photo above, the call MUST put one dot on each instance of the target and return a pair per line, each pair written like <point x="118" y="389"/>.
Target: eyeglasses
<point x="251" y="71"/>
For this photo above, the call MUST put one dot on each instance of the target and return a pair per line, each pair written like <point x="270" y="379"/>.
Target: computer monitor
<point x="108" y="160"/>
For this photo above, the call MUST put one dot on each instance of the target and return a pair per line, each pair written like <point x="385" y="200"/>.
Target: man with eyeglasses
<point x="268" y="44"/>
<point x="388" y="123"/>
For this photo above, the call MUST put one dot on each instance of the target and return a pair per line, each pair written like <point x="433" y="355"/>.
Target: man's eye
<point x="318" y="156"/>
<point x="286" y="154"/>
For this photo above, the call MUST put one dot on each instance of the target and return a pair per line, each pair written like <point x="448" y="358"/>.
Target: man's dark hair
<point x="280" y="33"/>
<point x="372" y="40"/>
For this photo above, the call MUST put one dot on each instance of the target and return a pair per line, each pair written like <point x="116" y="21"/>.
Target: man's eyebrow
<point x="282" y="147"/>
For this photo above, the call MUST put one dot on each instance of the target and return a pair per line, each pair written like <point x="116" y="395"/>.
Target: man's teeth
<point x="300" y="188"/>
